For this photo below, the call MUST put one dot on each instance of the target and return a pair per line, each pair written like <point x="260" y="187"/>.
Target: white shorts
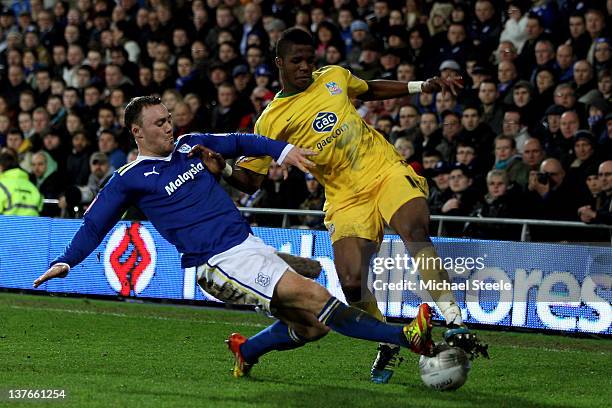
<point x="245" y="274"/>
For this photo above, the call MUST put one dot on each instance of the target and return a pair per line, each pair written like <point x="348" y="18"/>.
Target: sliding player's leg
<point x="296" y="292"/>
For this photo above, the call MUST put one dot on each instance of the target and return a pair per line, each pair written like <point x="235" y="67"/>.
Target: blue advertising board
<point x="511" y="284"/>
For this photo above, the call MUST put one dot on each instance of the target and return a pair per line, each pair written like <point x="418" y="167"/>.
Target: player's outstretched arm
<point x="379" y="89"/>
<point x="56" y="271"/>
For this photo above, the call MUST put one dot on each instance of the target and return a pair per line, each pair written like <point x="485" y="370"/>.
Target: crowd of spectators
<point x="529" y="136"/>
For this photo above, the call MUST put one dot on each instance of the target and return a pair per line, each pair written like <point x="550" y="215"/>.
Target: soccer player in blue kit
<point x="185" y="203"/>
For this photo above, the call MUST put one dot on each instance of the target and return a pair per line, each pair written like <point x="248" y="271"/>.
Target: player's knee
<point x="351" y="286"/>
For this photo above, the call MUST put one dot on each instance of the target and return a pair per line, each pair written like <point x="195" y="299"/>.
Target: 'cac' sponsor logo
<point x="129" y="259"/>
<point x="324" y="122"/>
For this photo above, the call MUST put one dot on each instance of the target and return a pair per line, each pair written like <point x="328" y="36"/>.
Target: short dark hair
<point x="133" y="110"/>
<point x="8" y="161"/>
<point x="292" y="36"/>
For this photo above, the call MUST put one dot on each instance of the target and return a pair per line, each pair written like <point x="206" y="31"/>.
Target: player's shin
<point x="432" y="270"/>
<point x="353" y="322"/>
<point x="277" y="336"/>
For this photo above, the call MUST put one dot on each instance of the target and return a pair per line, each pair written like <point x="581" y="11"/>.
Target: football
<point x="446" y="370"/>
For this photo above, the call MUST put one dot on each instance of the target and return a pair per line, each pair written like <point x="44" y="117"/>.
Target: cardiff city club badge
<point x="185" y="148"/>
<point x="333" y="88"/>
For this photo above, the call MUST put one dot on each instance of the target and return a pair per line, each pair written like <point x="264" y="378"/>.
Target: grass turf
<point x="113" y="354"/>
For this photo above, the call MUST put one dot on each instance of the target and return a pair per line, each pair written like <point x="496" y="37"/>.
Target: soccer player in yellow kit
<point x="366" y="181"/>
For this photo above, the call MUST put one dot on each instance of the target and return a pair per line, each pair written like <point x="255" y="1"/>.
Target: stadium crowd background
<point x="525" y="138"/>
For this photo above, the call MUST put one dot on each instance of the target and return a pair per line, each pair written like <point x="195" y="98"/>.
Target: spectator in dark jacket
<point x="501" y="201"/>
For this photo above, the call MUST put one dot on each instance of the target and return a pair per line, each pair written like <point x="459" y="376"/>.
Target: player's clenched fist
<point x="56" y="271"/>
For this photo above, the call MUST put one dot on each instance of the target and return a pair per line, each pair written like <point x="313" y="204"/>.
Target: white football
<point x="446" y="370"/>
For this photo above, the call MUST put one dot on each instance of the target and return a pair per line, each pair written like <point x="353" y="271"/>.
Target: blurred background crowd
<point x="529" y="136"/>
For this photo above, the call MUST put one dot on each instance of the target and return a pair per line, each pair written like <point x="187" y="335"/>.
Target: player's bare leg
<point x="352" y="258"/>
<point x="310" y="311"/>
<point x="411" y="222"/>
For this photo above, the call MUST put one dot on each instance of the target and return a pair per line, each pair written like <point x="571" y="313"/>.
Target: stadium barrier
<point x="507" y="284"/>
<point x="441" y="219"/>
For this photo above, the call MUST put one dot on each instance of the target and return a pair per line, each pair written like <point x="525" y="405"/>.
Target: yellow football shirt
<point x="322" y="118"/>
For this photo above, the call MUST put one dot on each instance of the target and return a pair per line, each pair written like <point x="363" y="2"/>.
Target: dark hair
<point x="8" y="161"/>
<point x="292" y="36"/>
<point x="133" y="110"/>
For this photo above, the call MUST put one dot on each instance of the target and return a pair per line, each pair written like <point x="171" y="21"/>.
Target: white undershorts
<point x="245" y="274"/>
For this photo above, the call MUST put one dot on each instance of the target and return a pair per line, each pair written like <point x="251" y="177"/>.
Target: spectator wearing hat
<point x="602" y="54"/>
<point x="508" y="159"/>
<point x="585" y="156"/>
<point x="360" y="33"/>
<point x="439" y="191"/>
<point x="244" y="84"/>
<point x="368" y="66"/>
<point x="83" y="195"/>
<point x="389" y="59"/>
<point x="601" y="211"/>
<point x="597" y="109"/>
<point x="500" y="201"/>
<point x="314" y="201"/>
<point x="263" y="76"/>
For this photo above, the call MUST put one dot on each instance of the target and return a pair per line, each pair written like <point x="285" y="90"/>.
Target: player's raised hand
<point x="211" y="159"/>
<point x="437" y="84"/>
<point x="298" y="157"/>
<point x="56" y="271"/>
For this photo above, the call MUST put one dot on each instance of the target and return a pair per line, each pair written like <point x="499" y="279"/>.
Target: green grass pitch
<point x="114" y="354"/>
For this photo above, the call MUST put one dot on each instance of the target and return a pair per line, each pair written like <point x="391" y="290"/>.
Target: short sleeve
<point x="355" y="86"/>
